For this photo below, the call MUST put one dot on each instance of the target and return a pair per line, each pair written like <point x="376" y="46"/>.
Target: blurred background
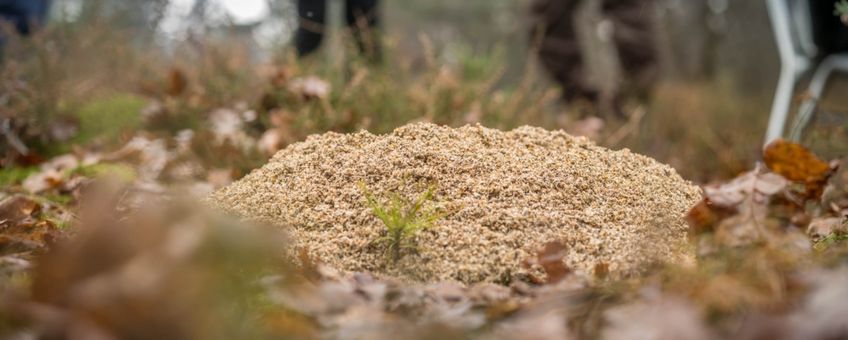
<point x="694" y="91"/>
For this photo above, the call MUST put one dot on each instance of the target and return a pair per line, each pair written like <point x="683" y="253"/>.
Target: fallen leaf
<point x="822" y="227"/>
<point x="15" y="208"/>
<point x="43" y="181"/>
<point x="748" y="196"/>
<point x="20" y="230"/>
<point x="757" y="185"/>
<point x="795" y="162"/>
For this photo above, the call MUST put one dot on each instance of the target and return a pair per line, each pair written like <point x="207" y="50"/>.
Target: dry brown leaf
<point x="43" y="181"/>
<point x="749" y="196"/>
<point x="16" y="208"/>
<point x="757" y="185"/>
<point x="20" y="230"/>
<point x="795" y="162"/>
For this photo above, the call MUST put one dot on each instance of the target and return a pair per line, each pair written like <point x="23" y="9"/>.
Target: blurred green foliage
<point x="106" y="118"/>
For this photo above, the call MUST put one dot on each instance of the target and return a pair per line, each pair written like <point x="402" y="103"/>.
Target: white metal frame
<point x="791" y="22"/>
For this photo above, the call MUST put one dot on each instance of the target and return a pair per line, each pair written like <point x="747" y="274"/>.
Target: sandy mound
<point x="507" y="193"/>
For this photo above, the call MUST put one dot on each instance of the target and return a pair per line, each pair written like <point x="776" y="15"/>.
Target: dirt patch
<point x="506" y="194"/>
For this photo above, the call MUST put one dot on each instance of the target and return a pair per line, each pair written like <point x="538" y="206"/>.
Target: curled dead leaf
<point x="757" y="184"/>
<point x="795" y="162"/>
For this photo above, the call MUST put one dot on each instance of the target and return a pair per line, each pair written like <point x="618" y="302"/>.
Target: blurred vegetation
<point x="446" y="62"/>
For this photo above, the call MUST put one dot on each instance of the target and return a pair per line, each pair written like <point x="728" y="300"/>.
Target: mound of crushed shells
<point x="505" y="194"/>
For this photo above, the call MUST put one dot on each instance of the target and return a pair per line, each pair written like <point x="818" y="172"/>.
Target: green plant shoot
<point x="403" y="219"/>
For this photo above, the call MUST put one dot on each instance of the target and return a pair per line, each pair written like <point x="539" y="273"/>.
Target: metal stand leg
<point x="780" y="106"/>
<point x="792" y="65"/>
<point x="831" y="64"/>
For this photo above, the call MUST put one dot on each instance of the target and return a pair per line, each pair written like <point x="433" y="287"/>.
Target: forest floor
<point x="102" y="235"/>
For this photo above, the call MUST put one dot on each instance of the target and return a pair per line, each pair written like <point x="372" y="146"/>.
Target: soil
<point x="504" y="194"/>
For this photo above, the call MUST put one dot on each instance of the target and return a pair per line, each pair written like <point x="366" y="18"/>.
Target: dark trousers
<point x="361" y="17"/>
<point x="23" y="14"/>
<point x="559" y="49"/>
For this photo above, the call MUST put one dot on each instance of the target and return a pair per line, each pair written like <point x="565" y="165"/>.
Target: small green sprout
<point x="403" y="218"/>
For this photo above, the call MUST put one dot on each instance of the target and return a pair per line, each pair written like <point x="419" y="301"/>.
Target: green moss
<point x="108" y="117"/>
<point x="59" y="198"/>
<point x="118" y="171"/>
<point x="15" y="175"/>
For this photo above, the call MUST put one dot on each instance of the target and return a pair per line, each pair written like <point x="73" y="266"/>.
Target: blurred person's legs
<point x="311" y="25"/>
<point x="22" y="15"/>
<point x="635" y="42"/>
<point x="362" y="18"/>
<point x="562" y="52"/>
<point x="554" y="36"/>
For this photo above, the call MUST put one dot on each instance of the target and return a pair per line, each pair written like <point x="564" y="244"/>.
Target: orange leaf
<point x="794" y="162"/>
